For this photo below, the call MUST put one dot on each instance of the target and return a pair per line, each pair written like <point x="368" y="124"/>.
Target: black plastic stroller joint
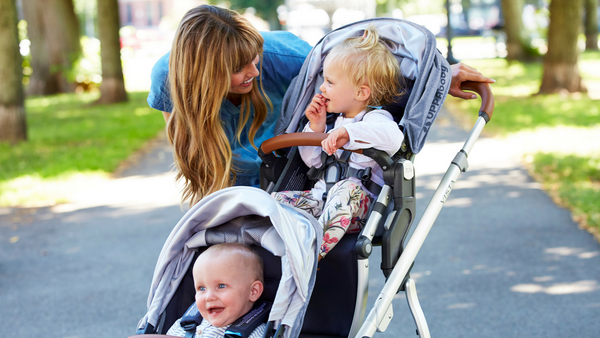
<point x="400" y="219"/>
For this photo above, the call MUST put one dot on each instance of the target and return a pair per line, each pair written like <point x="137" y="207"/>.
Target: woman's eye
<point x="238" y="70"/>
<point x="221" y="286"/>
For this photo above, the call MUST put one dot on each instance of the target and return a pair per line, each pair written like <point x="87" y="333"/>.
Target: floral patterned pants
<point x="345" y="210"/>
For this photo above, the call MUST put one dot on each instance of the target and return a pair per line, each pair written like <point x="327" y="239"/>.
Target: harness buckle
<point x="364" y="175"/>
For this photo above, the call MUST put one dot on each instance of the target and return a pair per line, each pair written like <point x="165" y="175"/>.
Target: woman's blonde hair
<point x="366" y="60"/>
<point x="210" y="44"/>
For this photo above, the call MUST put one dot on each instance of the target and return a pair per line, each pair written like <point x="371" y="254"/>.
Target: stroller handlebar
<point x="485" y="92"/>
<point x="294" y="140"/>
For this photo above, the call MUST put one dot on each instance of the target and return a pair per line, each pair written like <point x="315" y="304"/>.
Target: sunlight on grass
<point x="574" y="181"/>
<point x="35" y="191"/>
<point x="69" y="135"/>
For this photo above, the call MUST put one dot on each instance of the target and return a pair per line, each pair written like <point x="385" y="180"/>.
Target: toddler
<point x="360" y="75"/>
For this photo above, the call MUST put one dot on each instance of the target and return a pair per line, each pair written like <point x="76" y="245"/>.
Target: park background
<point x="73" y="113"/>
<point x="85" y="123"/>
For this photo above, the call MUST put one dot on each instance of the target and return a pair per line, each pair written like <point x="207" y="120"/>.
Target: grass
<point x="70" y="140"/>
<point x="573" y="180"/>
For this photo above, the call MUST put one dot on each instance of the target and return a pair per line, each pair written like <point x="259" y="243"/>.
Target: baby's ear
<point x="363" y="93"/>
<point x="256" y="289"/>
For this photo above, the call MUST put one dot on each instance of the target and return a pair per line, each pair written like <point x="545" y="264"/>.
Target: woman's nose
<point x="252" y="70"/>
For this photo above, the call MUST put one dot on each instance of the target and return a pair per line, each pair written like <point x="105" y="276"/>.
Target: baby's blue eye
<point x="221" y="286"/>
<point x="202" y="288"/>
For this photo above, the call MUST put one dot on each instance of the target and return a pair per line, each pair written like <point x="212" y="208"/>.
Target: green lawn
<point x="574" y="181"/>
<point x="70" y="138"/>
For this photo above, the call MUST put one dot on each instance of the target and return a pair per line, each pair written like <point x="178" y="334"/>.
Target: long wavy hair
<point x="367" y="60"/>
<point x="210" y="44"/>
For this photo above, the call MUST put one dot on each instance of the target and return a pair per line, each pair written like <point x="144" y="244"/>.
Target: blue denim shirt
<point x="283" y="55"/>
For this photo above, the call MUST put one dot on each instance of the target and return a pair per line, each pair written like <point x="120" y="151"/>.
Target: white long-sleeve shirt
<point x="375" y="129"/>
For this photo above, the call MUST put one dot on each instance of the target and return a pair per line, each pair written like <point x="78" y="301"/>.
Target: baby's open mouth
<point x="213" y="311"/>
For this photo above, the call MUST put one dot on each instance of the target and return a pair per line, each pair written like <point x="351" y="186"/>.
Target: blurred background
<point x="146" y="27"/>
<point x="77" y="74"/>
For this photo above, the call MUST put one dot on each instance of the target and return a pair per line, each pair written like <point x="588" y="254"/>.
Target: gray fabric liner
<point x="414" y="47"/>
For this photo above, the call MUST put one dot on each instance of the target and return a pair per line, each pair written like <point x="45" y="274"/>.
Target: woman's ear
<point x="363" y="93"/>
<point x="256" y="289"/>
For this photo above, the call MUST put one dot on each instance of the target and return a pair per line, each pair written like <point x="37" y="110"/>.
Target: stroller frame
<point x="396" y="204"/>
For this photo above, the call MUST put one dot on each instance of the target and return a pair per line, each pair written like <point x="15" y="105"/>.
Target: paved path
<point x="502" y="260"/>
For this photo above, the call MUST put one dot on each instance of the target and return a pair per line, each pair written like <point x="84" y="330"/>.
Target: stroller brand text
<point x="437" y="101"/>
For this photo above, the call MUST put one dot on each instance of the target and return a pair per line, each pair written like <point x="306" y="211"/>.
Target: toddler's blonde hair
<point x="366" y="60"/>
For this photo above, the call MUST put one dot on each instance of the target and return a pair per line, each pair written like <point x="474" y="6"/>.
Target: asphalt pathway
<point x="502" y="260"/>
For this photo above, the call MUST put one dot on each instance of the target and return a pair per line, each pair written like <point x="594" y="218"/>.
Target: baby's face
<point x="224" y="288"/>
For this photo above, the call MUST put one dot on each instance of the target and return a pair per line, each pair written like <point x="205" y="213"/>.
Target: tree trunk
<point x="112" y="89"/>
<point x="591" y="24"/>
<point x="561" y="71"/>
<point x="13" y="126"/>
<point x="53" y="29"/>
<point x="513" y="27"/>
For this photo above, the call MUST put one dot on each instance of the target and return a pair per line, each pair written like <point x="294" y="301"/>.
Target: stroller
<point x="301" y="297"/>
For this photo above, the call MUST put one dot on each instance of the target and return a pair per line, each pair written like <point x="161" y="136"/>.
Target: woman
<point x="222" y="95"/>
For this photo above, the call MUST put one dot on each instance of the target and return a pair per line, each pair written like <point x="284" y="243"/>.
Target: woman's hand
<point x="462" y="73"/>
<point x="335" y="140"/>
<point x="316" y="112"/>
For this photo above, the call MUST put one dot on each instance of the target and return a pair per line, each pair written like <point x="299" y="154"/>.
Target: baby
<point x="228" y="279"/>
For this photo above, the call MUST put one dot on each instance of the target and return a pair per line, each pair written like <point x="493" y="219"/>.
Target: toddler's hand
<point x="316" y="112"/>
<point x="335" y="140"/>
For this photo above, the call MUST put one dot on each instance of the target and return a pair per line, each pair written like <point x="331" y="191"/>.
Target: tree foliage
<point x="265" y="9"/>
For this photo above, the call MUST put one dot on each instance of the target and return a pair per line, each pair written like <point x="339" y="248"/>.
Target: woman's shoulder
<point x="285" y="44"/>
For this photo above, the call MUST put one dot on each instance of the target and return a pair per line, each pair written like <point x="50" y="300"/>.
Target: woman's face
<point x="242" y="79"/>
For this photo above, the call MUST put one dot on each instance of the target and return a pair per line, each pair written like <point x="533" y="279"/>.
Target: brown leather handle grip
<point x="295" y="140"/>
<point x="484" y="90"/>
<point x="292" y="140"/>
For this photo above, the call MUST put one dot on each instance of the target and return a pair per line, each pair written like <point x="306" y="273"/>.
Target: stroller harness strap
<point x="335" y="169"/>
<point x="241" y="328"/>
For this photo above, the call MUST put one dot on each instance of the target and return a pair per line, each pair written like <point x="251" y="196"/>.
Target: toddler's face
<point x="339" y="91"/>
<point x="224" y="288"/>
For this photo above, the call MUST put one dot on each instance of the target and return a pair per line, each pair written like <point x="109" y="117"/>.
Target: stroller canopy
<point x="294" y="236"/>
<point x="415" y="48"/>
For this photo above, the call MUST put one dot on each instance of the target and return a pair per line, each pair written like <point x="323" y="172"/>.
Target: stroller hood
<point x="415" y="49"/>
<point x="295" y="237"/>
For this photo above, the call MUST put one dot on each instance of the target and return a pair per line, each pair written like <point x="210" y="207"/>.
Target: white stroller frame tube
<point x="383" y="304"/>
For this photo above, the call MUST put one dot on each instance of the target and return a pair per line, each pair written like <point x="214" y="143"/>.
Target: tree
<point x="266" y="9"/>
<point x="112" y="89"/>
<point x="517" y="45"/>
<point x="591" y="24"/>
<point x="53" y="29"/>
<point x="561" y="71"/>
<point x="13" y="125"/>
